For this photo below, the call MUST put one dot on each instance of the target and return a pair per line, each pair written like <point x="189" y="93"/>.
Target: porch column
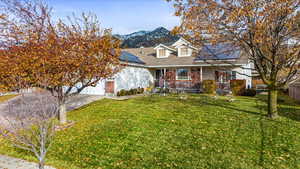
<point x="165" y="71"/>
<point x="201" y="75"/>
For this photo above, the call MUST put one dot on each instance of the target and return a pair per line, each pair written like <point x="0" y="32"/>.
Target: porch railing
<point x="223" y="85"/>
<point x="189" y="85"/>
<point x="178" y="85"/>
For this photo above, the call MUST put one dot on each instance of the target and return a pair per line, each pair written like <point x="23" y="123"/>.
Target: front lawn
<point x="165" y="132"/>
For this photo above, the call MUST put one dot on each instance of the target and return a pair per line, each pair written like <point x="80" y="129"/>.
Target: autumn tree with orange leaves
<point x="63" y="57"/>
<point x="265" y="30"/>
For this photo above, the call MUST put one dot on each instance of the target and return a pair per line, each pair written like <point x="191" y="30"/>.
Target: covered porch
<point x="191" y="78"/>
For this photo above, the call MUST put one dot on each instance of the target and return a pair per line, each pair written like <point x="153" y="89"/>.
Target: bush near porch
<point x="238" y="87"/>
<point x="166" y="132"/>
<point x="131" y="92"/>
<point x="209" y="86"/>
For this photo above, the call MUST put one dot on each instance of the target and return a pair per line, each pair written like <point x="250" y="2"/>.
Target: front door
<point x="223" y="79"/>
<point x="110" y="87"/>
<point x="159" y="74"/>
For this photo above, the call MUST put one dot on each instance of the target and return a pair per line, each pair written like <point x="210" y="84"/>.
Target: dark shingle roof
<point x="207" y="55"/>
<point x="218" y="52"/>
<point x="128" y="57"/>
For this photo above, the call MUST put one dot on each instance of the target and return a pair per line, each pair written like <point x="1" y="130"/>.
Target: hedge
<point x="209" y="86"/>
<point x="238" y="87"/>
<point x="130" y="92"/>
<point x="249" y="92"/>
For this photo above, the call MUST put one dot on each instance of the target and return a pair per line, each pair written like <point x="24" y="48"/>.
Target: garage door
<point x="97" y="90"/>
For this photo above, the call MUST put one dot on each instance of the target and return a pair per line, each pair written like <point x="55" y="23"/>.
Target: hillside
<point x="147" y="38"/>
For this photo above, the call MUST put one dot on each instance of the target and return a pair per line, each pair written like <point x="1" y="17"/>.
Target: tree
<point x="70" y="56"/>
<point x="30" y="123"/>
<point x="265" y="30"/>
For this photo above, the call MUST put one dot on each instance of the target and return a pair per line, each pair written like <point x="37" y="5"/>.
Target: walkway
<point x="14" y="163"/>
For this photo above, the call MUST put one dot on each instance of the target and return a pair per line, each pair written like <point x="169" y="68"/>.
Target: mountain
<point x="147" y="38"/>
<point x="125" y="37"/>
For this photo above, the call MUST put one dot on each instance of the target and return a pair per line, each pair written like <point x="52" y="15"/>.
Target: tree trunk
<point x="272" y="104"/>
<point x="41" y="164"/>
<point x="62" y="113"/>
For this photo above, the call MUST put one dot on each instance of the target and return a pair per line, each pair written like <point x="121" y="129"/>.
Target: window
<point x="182" y="74"/>
<point x="162" y="52"/>
<point x="225" y="76"/>
<point x="159" y="73"/>
<point x="233" y="75"/>
<point x="184" y="51"/>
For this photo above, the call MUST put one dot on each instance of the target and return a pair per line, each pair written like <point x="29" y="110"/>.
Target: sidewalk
<point x="120" y="98"/>
<point x="14" y="163"/>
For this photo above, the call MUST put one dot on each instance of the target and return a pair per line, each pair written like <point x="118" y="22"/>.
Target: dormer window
<point x="184" y="48"/>
<point x="184" y="51"/>
<point x="162" y="52"/>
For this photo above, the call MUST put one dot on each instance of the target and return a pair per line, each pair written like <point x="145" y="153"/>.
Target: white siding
<point x="245" y="73"/>
<point x="97" y="90"/>
<point x="128" y="78"/>
<point x="133" y="77"/>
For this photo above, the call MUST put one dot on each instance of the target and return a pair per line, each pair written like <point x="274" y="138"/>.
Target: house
<point x="146" y="66"/>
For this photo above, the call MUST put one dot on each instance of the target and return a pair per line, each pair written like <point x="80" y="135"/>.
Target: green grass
<point x="165" y="132"/>
<point x="6" y="97"/>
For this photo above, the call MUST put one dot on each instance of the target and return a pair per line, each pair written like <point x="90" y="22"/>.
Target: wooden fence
<point x="294" y="91"/>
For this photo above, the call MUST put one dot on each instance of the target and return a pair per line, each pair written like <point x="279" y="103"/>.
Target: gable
<point x="162" y="46"/>
<point x="181" y="42"/>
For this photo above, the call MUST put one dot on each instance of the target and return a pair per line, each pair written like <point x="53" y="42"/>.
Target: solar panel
<point x="218" y="52"/>
<point x="128" y="57"/>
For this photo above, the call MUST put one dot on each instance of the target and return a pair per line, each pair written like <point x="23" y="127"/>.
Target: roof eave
<point x="194" y="65"/>
<point x="164" y="46"/>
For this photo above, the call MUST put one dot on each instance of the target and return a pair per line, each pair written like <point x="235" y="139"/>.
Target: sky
<point x="123" y="16"/>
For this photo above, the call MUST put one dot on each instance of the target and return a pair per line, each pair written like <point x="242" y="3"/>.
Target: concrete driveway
<point x="11" y="109"/>
<point x="72" y="103"/>
<point x="81" y="100"/>
<point x="14" y="163"/>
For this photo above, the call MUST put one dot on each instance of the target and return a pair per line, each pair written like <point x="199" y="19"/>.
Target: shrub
<point x="140" y="90"/>
<point x="130" y="92"/>
<point x="238" y="87"/>
<point x="209" y="86"/>
<point x="135" y="91"/>
<point x="122" y="93"/>
<point x="164" y="90"/>
<point x="249" y="92"/>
